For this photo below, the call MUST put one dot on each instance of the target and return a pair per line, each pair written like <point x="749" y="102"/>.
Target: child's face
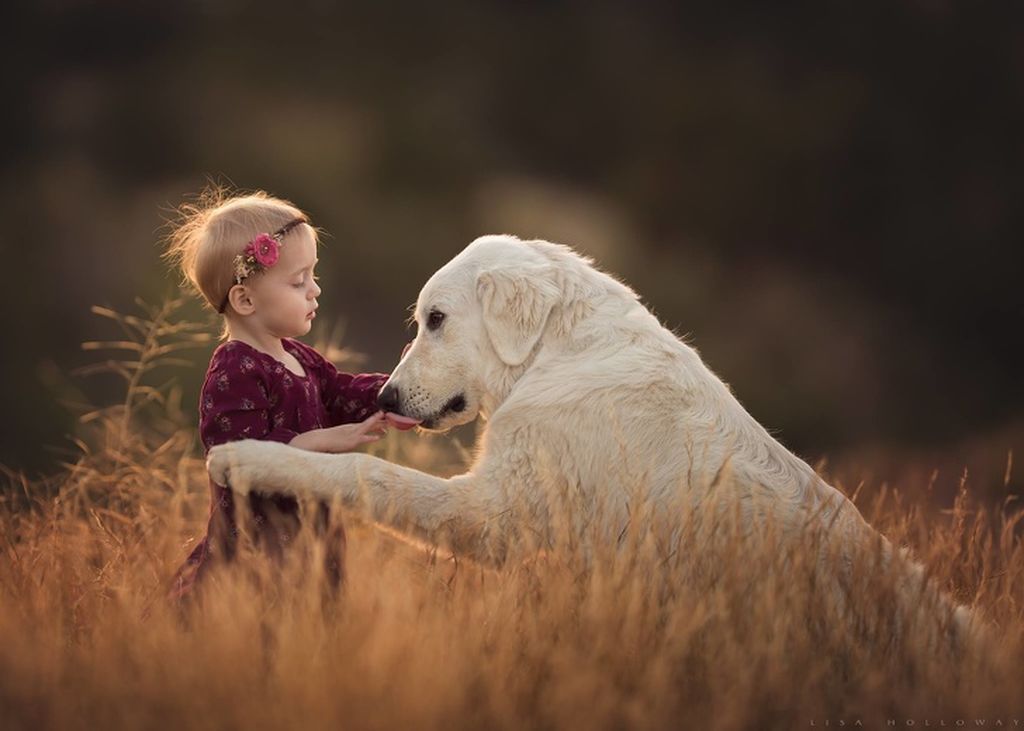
<point x="285" y="295"/>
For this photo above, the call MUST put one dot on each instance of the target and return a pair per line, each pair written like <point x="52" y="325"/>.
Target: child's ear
<point x="238" y="297"/>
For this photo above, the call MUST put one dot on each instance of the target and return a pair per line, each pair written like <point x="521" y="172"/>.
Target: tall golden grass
<point x="711" y="633"/>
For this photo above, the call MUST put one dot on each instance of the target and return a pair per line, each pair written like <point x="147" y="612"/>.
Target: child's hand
<point x="344" y="437"/>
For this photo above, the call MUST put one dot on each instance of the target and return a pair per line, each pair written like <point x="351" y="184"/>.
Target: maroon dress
<point x="249" y="394"/>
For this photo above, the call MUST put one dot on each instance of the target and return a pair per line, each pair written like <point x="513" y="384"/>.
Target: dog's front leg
<point x="470" y="518"/>
<point x="251" y="465"/>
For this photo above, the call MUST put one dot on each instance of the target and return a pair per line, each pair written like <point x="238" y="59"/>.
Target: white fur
<point x="585" y="395"/>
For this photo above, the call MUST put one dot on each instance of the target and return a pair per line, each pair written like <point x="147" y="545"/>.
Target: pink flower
<point x="264" y="250"/>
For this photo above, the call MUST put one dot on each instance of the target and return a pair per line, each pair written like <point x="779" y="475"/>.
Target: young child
<point x="253" y="258"/>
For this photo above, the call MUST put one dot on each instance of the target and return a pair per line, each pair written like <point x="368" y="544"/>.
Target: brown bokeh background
<point x="825" y="198"/>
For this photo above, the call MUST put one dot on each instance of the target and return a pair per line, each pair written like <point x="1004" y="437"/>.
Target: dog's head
<point x="479" y="320"/>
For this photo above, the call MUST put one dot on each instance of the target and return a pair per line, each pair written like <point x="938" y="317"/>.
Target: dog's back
<point x="619" y="405"/>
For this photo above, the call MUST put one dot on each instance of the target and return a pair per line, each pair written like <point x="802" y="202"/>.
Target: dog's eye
<point x="434" y="320"/>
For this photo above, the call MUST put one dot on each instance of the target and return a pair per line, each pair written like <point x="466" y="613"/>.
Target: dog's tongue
<point x="400" y="422"/>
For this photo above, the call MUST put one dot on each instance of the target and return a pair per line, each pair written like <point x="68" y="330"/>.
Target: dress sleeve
<point x="350" y="398"/>
<point x="236" y="404"/>
<point x="347" y="397"/>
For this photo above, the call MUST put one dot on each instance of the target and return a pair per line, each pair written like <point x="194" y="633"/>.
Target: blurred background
<point x="825" y="198"/>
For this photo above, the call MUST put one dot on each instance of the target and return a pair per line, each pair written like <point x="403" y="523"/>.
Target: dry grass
<point x="706" y="634"/>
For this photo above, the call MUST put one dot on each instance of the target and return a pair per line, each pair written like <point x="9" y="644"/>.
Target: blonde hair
<point x="209" y="233"/>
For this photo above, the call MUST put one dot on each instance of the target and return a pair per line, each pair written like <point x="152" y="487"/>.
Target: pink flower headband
<point x="259" y="255"/>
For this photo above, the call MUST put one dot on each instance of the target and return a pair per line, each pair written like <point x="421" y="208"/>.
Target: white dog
<point x="586" y="395"/>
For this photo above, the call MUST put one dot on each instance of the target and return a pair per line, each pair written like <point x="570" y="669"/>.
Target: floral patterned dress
<point x="249" y="394"/>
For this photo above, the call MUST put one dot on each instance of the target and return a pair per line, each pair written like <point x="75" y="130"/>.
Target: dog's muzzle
<point x="456" y="404"/>
<point x="389" y="399"/>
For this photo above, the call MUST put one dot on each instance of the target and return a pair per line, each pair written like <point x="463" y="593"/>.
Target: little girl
<point x="252" y="258"/>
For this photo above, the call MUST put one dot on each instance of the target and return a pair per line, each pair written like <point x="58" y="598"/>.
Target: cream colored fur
<point x="589" y="403"/>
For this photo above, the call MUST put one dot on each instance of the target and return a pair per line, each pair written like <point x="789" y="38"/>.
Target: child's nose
<point x="316" y="289"/>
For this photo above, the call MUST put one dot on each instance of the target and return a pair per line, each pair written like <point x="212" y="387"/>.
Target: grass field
<point x="419" y="641"/>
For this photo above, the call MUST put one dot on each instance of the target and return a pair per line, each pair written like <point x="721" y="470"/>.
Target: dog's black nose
<point x="387" y="399"/>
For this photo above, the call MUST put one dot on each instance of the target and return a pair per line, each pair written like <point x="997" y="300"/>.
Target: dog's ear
<point x="516" y="303"/>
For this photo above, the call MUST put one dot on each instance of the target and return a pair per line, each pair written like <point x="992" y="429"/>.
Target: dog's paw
<point x="219" y="462"/>
<point x="247" y="464"/>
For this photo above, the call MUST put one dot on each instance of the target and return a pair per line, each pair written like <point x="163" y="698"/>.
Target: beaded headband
<point x="259" y="255"/>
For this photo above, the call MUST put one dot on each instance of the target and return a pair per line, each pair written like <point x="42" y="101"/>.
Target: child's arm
<point x="348" y="397"/>
<point x="343" y="437"/>
<point x="236" y="405"/>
